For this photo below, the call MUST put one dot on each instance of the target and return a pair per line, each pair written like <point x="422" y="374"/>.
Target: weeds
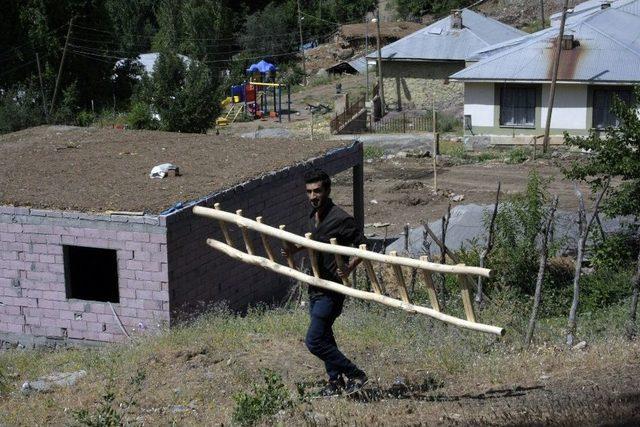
<point x="372" y="152"/>
<point x="265" y="401"/>
<point x="516" y="156"/>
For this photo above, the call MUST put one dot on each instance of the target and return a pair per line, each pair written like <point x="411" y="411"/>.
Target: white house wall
<point x="479" y="103"/>
<point x="569" y="106"/>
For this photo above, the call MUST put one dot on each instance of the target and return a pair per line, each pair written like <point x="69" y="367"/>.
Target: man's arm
<point x="351" y="233"/>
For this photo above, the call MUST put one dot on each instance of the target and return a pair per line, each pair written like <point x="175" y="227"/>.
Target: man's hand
<point x="344" y="271"/>
<point x="290" y="250"/>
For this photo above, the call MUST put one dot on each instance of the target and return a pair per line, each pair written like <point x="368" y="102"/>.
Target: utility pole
<point x="542" y="13"/>
<point x="304" y="64"/>
<point x="44" y="101"/>
<point x="64" y="54"/>
<point x="380" y="85"/>
<point x="366" y="52"/>
<point x="554" y="77"/>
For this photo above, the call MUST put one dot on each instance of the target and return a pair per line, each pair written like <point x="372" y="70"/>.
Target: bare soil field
<point x="400" y="190"/>
<point x="91" y="169"/>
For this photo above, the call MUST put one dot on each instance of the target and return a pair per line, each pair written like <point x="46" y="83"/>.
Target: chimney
<point x="605" y="5"/>
<point x="456" y="19"/>
<point x="568" y="42"/>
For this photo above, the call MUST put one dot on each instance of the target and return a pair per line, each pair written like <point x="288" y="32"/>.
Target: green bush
<point x="85" y="118"/>
<point x="265" y="401"/>
<point x="517" y="155"/>
<point x="67" y="110"/>
<point x="447" y="123"/>
<point x="614" y="251"/>
<point x="372" y="152"/>
<point x="20" y="107"/>
<point x="140" y="117"/>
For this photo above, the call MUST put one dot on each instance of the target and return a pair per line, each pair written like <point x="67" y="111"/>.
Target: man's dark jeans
<point x="324" y="310"/>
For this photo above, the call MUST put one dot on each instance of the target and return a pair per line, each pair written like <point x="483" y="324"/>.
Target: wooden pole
<point x="64" y="54"/>
<point x="340" y="262"/>
<point x="368" y="267"/>
<point x="487" y="249"/>
<point x="245" y="236"/>
<point x="542" y="266"/>
<point x="352" y="292"/>
<point x="467" y="301"/>
<point x="542" y="13"/>
<point x="554" y="78"/>
<point x="397" y="272"/>
<point x="287" y="248"/>
<point x="304" y="62"/>
<point x="380" y="79"/>
<point x="436" y="142"/>
<point x="44" y="100"/>
<point x="342" y="250"/>
<point x="265" y="242"/>
<point x="223" y="227"/>
<point x="312" y="258"/>
<point x="431" y="289"/>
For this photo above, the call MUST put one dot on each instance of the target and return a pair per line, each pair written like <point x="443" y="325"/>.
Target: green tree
<point x="186" y="97"/>
<point x="616" y="154"/>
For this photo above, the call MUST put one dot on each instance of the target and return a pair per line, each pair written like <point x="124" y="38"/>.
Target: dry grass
<point x="421" y="371"/>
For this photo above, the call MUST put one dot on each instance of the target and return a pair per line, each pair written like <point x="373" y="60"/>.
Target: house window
<point x="602" y="104"/>
<point x="91" y="273"/>
<point x="518" y="106"/>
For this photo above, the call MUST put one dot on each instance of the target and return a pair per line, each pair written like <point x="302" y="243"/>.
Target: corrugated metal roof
<point x="440" y="42"/>
<point x="359" y="64"/>
<point x="608" y="51"/>
<point x="590" y="7"/>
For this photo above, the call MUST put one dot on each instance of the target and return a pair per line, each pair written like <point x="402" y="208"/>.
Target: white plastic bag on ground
<point x="160" y="171"/>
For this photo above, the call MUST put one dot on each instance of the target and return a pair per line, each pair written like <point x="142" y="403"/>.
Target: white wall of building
<point x="479" y="103"/>
<point x="569" y="107"/>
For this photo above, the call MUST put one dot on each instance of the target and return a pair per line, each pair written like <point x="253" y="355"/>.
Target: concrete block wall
<point x="33" y="302"/>
<point x="164" y="265"/>
<point x="199" y="274"/>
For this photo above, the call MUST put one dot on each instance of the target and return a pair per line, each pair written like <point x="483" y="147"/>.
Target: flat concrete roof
<point x="95" y="169"/>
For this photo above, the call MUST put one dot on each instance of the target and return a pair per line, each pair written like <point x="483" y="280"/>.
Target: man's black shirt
<point x="334" y="223"/>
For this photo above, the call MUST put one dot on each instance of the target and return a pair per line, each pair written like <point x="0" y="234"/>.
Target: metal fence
<point x="402" y="124"/>
<point x="345" y="117"/>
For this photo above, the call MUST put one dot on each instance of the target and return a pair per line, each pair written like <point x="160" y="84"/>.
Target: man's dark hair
<point x="318" y="175"/>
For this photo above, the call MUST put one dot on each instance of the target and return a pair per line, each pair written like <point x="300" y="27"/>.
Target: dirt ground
<point x="91" y="169"/>
<point x="400" y="190"/>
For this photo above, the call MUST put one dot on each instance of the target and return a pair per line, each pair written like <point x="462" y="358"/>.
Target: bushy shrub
<point x="20" y="107"/>
<point x="265" y="401"/>
<point x="515" y="253"/>
<point x="67" y="110"/>
<point x="516" y="155"/>
<point x="85" y="118"/>
<point x="140" y="117"/>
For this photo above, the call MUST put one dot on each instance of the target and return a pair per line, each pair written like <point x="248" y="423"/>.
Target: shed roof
<point x="98" y="169"/>
<point x="608" y="52"/>
<point x="440" y="42"/>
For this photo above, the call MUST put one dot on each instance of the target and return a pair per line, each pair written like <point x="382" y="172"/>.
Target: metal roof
<point x="356" y="65"/>
<point x="608" y="51"/>
<point x="440" y="42"/>
<point x="590" y="7"/>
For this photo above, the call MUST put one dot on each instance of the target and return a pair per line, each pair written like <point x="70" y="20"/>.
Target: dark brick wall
<point x="197" y="273"/>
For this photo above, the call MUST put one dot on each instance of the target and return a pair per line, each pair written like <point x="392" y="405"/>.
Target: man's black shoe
<point x="333" y="388"/>
<point x="355" y="384"/>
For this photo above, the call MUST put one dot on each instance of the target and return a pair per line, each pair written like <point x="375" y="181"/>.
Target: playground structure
<point x="256" y="98"/>
<point x="379" y="294"/>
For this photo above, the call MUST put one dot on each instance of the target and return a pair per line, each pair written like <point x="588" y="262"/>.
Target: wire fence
<point x="403" y="124"/>
<point x="345" y="117"/>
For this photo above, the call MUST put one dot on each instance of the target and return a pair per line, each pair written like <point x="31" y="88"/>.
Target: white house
<point x="506" y="90"/>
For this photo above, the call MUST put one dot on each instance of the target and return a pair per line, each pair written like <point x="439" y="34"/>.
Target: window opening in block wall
<point x="91" y="273"/>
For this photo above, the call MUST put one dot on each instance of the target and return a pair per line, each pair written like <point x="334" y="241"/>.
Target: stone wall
<point x="414" y="85"/>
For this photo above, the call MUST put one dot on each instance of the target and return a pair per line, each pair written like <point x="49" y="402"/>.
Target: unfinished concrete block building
<point x="89" y="250"/>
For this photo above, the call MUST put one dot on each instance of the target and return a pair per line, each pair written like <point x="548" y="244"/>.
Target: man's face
<point x="317" y="194"/>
